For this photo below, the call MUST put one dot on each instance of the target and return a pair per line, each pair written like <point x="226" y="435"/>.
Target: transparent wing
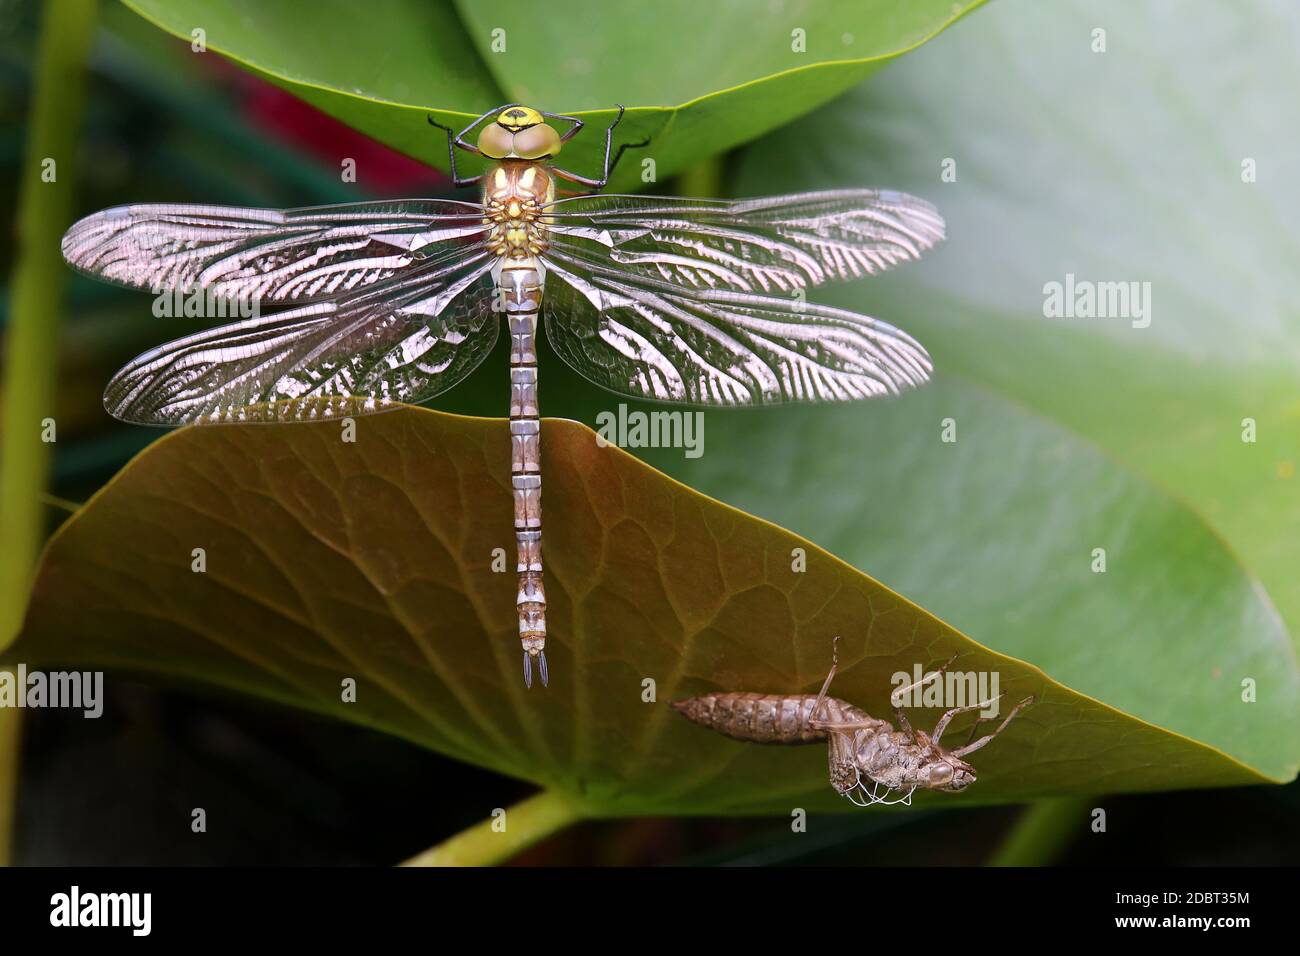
<point x="404" y="340"/>
<point x="769" y="245"/>
<point x="275" y="256"/>
<point x="643" y="336"/>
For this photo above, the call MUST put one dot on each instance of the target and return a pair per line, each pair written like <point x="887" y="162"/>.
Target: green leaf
<point x="995" y="533"/>
<point x="695" y="84"/>
<point x="373" y="560"/>
<point x="1073" y="434"/>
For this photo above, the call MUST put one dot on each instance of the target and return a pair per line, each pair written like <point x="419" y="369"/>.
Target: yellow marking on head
<point x="516" y="118"/>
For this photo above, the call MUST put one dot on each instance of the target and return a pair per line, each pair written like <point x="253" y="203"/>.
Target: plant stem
<point x="36" y="300"/>
<point x="11" y="734"/>
<point x="487" y="843"/>
<point x="31" y="353"/>
<point x="1042" y="832"/>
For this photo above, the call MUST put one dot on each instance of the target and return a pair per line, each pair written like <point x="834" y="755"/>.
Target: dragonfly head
<point x="519" y="132"/>
<point x="947" y="773"/>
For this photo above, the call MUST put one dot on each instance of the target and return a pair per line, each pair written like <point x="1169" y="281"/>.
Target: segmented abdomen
<point x="521" y="284"/>
<point x="767" y="718"/>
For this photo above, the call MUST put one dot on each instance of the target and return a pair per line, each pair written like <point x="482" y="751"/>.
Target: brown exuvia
<point x="861" y="747"/>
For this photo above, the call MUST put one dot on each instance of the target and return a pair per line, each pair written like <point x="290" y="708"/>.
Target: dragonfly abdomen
<point x="768" y="718"/>
<point x="519" y="286"/>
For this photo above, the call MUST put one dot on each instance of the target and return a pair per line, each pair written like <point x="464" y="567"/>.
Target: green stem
<point x="31" y="355"/>
<point x="63" y="504"/>
<point x="11" y="734"/>
<point x="1043" y="831"/>
<point x="498" y="839"/>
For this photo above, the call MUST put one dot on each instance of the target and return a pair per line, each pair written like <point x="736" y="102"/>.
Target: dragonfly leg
<point x="817" y="723"/>
<point x="948" y="715"/>
<point x="452" y="143"/>
<point x="460" y="137"/>
<point x="826" y="684"/>
<point x="971" y="748"/>
<point x="896" y="698"/>
<point x="573" y="129"/>
<point x="903" y="724"/>
<point x="608" y="167"/>
<point x="623" y="149"/>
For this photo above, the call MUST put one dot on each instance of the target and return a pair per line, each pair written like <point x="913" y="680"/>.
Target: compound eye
<point x="940" y="775"/>
<point x="536" y="142"/>
<point x="495" y="142"/>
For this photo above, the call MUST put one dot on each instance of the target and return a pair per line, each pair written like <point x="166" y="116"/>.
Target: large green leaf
<point x="695" y="80"/>
<point x="995" y="532"/>
<point x="1074" y="434"/>
<point x="372" y="559"/>
<point x="1153" y="193"/>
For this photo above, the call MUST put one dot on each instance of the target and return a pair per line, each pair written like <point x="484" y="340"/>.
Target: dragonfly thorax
<point x="514" y="195"/>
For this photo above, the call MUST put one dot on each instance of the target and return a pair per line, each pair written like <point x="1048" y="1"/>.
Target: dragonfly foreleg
<point x="575" y="126"/>
<point x="459" y="140"/>
<point x="826" y="684"/>
<point x="972" y="747"/>
<point x="897" y="697"/>
<point x="608" y="168"/>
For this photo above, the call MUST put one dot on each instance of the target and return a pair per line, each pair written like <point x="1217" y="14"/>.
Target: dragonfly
<point x="378" y="304"/>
